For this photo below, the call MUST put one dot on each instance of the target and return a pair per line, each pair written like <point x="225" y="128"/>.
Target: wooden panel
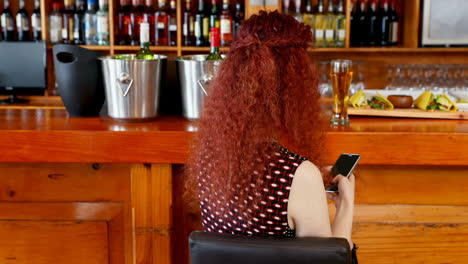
<point x="64" y="182"/>
<point x="42" y="242"/>
<point x="411" y="13"/>
<point x="152" y="202"/>
<point x="408" y="113"/>
<point x="430" y="185"/>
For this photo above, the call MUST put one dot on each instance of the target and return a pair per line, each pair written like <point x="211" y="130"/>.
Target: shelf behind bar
<point x="152" y="48"/>
<point x="203" y="49"/>
<point x="389" y="49"/>
<point x="91" y="47"/>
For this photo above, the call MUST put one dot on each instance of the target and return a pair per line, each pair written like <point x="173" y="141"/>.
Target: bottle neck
<point x="214" y="6"/>
<point x="226" y="4"/>
<point x="340" y="8"/>
<point x="6" y="4"/>
<point x="162" y="4"/>
<point x="308" y="6"/>
<point x="37" y="4"/>
<point x="286" y="4"/>
<point x="214" y="44"/>
<point x="91" y="6"/>
<point x="144" y="37"/>
<point x="201" y="6"/>
<point x="320" y="7"/>
<point x="187" y="6"/>
<point x="173" y="5"/>
<point x="330" y="7"/>
<point x="21" y="4"/>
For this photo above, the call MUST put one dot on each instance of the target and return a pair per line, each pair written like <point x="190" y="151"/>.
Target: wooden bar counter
<point x="93" y="190"/>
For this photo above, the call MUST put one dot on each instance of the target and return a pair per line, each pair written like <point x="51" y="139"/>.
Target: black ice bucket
<point x="79" y="79"/>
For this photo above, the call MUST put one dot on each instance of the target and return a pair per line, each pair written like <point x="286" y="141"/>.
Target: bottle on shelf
<point x="226" y="25"/>
<point x="330" y="26"/>
<point x="297" y="11"/>
<point x="55" y="24"/>
<point x="7" y="22"/>
<point x="320" y="25"/>
<point x="161" y="20"/>
<point x="361" y="24"/>
<point x="90" y="23"/>
<point x="188" y="25"/>
<point x="393" y="33"/>
<point x="286" y="4"/>
<point x="22" y="23"/>
<point x="383" y="23"/>
<point x="340" y="25"/>
<point x="353" y="24"/>
<point x="144" y="53"/>
<point x="214" y="16"/>
<point x="214" y="44"/>
<point x="68" y="22"/>
<point x="78" y="30"/>
<point x="372" y="28"/>
<point x="308" y="17"/>
<point x="136" y="17"/>
<point x="148" y="17"/>
<point x="124" y="23"/>
<point x="238" y="19"/>
<point x="202" y="25"/>
<point x="172" y="21"/>
<point x="36" y="22"/>
<point x="102" y="20"/>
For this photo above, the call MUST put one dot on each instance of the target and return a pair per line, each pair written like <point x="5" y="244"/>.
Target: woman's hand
<point x="345" y="195"/>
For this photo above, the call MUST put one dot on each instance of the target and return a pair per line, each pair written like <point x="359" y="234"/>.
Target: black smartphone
<point x="344" y="165"/>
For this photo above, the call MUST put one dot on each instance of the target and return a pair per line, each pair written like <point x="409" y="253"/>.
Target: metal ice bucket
<point x="133" y="86"/>
<point x="194" y="73"/>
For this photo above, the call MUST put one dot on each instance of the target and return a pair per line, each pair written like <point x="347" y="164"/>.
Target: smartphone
<point x="344" y="165"/>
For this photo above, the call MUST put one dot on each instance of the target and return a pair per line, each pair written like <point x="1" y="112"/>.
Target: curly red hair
<point x="265" y="89"/>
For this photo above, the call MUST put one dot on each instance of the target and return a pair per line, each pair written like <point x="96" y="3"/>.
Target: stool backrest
<point x="208" y="248"/>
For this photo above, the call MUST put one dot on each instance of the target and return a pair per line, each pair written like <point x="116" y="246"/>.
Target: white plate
<point x="460" y="94"/>
<point x="462" y="107"/>
<point x="414" y="93"/>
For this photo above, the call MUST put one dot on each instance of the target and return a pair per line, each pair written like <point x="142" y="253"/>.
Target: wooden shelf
<point x="203" y="49"/>
<point x="388" y="49"/>
<point x="152" y="48"/>
<point x="90" y="47"/>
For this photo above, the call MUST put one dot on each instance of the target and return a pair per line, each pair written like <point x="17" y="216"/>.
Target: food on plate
<point x="462" y="101"/>
<point x="401" y="101"/>
<point x="358" y="100"/>
<point x="380" y="102"/>
<point x="427" y="101"/>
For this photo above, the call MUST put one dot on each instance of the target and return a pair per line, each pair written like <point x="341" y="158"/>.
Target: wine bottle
<point x="68" y="22"/>
<point x="286" y="4"/>
<point x="383" y="17"/>
<point x="393" y="32"/>
<point x="297" y="11"/>
<point x="148" y="17"/>
<point x="55" y="24"/>
<point x="161" y="21"/>
<point x="214" y="16"/>
<point x="136" y="17"/>
<point x="361" y="24"/>
<point x="238" y="19"/>
<point x="90" y="23"/>
<point x="102" y="21"/>
<point x="22" y="23"/>
<point x="7" y="22"/>
<point x="308" y="16"/>
<point x="353" y="22"/>
<point x="226" y="26"/>
<point x="330" y="26"/>
<point x="78" y="17"/>
<point x="372" y="24"/>
<point x="172" y="24"/>
<point x="36" y="22"/>
<point x="188" y="25"/>
<point x="214" y="44"/>
<point x="340" y="25"/>
<point x="144" y="53"/>
<point x="320" y="23"/>
<point x="124" y="23"/>
<point x="202" y="24"/>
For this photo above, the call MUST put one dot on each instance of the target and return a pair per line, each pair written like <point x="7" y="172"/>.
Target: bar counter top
<point x="51" y="135"/>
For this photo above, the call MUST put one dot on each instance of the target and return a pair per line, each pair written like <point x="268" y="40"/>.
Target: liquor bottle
<point x="202" y="25"/>
<point x="372" y="28"/>
<point x="383" y="23"/>
<point x="36" y="22"/>
<point x="172" y="21"/>
<point x="124" y="23"/>
<point x="8" y="23"/>
<point x="353" y="27"/>
<point x="68" y="23"/>
<point x="393" y="33"/>
<point x="144" y="53"/>
<point x="90" y="23"/>
<point x="102" y="20"/>
<point x="55" y="24"/>
<point x="297" y="11"/>
<point x="320" y="23"/>
<point x="78" y="30"/>
<point x="286" y="4"/>
<point x="226" y="25"/>
<point x="214" y="44"/>
<point x="136" y="17"/>
<point x="330" y="25"/>
<point x="308" y="16"/>
<point x="188" y="25"/>
<point x="22" y="23"/>
<point x="148" y="17"/>
<point x="214" y="16"/>
<point x="340" y="25"/>
<point x="361" y="24"/>
<point x="161" y="18"/>
<point x="238" y="19"/>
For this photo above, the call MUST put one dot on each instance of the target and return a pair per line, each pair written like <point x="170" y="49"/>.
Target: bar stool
<point x="208" y="248"/>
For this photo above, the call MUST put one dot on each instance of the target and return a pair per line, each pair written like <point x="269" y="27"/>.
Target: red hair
<point x="265" y="88"/>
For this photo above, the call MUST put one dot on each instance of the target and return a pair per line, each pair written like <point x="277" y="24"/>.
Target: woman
<point x="263" y="108"/>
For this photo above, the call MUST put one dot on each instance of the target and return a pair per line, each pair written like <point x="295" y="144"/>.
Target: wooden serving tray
<point x="408" y="113"/>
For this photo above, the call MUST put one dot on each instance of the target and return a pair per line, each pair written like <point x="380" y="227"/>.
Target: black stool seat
<point x="208" y="248"/>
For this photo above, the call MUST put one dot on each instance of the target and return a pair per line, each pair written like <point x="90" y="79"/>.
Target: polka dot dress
<point x="270" y="218"/>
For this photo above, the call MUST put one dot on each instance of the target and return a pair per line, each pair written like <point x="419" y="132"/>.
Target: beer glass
<point x="341" y="75"/>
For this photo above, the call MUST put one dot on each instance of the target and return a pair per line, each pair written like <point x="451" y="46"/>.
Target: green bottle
<point x="214" y="52"/>
<point x="144" y="53"/>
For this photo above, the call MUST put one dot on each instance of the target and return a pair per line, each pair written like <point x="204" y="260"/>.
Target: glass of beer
<point x="341" y="74"/>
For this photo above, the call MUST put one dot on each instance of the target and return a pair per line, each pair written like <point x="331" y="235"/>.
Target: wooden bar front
<point x="92" y="190"/>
